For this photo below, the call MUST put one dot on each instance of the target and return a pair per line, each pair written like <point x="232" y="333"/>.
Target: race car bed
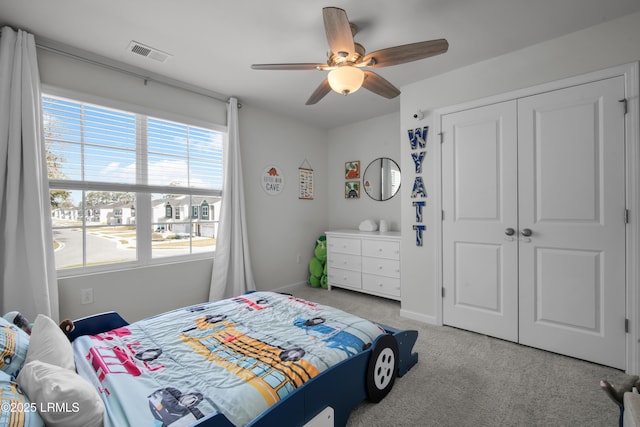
<point x="260" y="359"/>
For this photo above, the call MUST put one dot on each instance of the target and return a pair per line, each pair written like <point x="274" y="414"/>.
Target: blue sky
<point x="177" y="153"/>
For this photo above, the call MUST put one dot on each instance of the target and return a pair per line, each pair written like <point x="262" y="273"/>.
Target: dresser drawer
<point x="343" y="245"/>
<point x="380" y="284"/>
<point x="381" y="249"/>
<point x="364" y="262"/>
<point x="381" y="266"/>
<point x="349" y="278"/>
<point x="344" y="261"/>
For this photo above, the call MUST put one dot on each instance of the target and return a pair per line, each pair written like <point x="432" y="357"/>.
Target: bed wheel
<point x="382" y="369"/>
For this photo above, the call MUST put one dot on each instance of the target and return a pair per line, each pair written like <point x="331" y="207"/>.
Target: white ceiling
<point x="214" y="42"/>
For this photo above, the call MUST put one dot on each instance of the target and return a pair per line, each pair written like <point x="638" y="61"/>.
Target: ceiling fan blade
<point x="293" y="66"/>
<point x="379" y="85"/>
<point x="319" y="93"/>
<point x="406" y="53"/>
<point x="339" y="35"/>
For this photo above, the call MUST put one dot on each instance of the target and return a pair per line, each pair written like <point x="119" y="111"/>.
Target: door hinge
<point x="443" y="292"/>
<point x="626" y="326"/>
<point x="442" y="215"/>
<point x="626" y="216"/>
<point x="441" y="137"/>
<point x="625" y="104"/>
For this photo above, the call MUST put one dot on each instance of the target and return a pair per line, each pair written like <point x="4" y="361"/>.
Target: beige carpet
<point x="467" y="379"/>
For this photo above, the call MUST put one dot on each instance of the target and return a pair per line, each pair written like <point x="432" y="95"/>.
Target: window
<point x="205" y="210"/>
<point x="119" y="182"/>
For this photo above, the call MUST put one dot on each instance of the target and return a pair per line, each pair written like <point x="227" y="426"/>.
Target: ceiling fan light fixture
<point x="346" y="59"/>
<point x="346" y="79"/>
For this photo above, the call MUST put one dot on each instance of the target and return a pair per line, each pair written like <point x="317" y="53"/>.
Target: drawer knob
<point x="380" y="250"/>
<point x="380" y="267"/>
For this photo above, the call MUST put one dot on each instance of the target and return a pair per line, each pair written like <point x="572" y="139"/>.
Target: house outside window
<point x="194" y="212"/>
<point x="108" y="166"/>
<point x="205" y="210"/>
<point x="117" y="214"/>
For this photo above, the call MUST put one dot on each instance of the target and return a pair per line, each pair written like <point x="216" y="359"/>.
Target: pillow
<point x="63" y="397"/>
<point x="16" y="406"/>
<point x="14" y="343"/>
<point x="49" y="344"/>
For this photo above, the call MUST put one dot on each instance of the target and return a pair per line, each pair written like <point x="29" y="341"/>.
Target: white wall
<point x="364" y="141"/>
<point x="280" y="227"/>
<point x="137" y="293"/>
<point x="602" y="46"/>
<point x="89" y="79"/>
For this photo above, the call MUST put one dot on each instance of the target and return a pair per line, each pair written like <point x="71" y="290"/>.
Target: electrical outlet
<point x="86" y="296"/>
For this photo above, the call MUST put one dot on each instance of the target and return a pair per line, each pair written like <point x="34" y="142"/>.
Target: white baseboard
<point x="419" y="317"/>
<point x="403" y="313"/>
<point x="290" y="288"/>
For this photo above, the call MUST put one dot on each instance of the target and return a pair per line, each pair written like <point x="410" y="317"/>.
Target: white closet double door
<point x="533" y="228"/>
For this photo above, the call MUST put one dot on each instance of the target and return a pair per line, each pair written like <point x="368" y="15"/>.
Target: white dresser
<point x="364" y="261"/>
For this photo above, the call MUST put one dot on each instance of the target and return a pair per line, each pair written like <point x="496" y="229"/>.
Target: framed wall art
<point x="352" y="170"/>
<point x="272" y="180"/>
<point x="306" y="183"/>
<point x="352" y="190"/>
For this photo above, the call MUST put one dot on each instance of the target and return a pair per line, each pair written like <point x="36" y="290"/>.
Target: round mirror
<point x="381" y="179"/>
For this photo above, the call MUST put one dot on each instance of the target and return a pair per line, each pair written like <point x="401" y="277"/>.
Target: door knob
<point x="526" y="232"/>
<point x="509" y="231"/>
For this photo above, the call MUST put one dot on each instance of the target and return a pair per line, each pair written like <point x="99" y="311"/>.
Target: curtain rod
<point x="50" y="46"/>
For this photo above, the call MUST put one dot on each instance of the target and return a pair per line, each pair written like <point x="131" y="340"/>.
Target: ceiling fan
<point x="346" y="59"/>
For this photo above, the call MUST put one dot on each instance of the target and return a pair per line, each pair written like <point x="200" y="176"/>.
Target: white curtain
<point x="27" y="269"/>
<point x="232" y="265"/>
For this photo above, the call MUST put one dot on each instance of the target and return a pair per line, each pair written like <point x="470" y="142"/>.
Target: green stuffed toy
<point x="317" y="264"/>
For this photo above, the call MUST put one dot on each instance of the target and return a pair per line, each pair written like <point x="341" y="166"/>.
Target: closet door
<point x="480" y="266"/>
<point x="552" y="168"/>
<point x="571" y="164"/>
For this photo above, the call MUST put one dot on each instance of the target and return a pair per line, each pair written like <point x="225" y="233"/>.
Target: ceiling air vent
<point x="147" y="51"/>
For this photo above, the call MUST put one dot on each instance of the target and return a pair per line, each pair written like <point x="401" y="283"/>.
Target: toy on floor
<point x="617" y="394"/>
<point x="318" y="264"/>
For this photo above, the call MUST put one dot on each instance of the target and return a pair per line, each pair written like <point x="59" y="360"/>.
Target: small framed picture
<point x="352" y="170"/>
<point x="352" y="190"/>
